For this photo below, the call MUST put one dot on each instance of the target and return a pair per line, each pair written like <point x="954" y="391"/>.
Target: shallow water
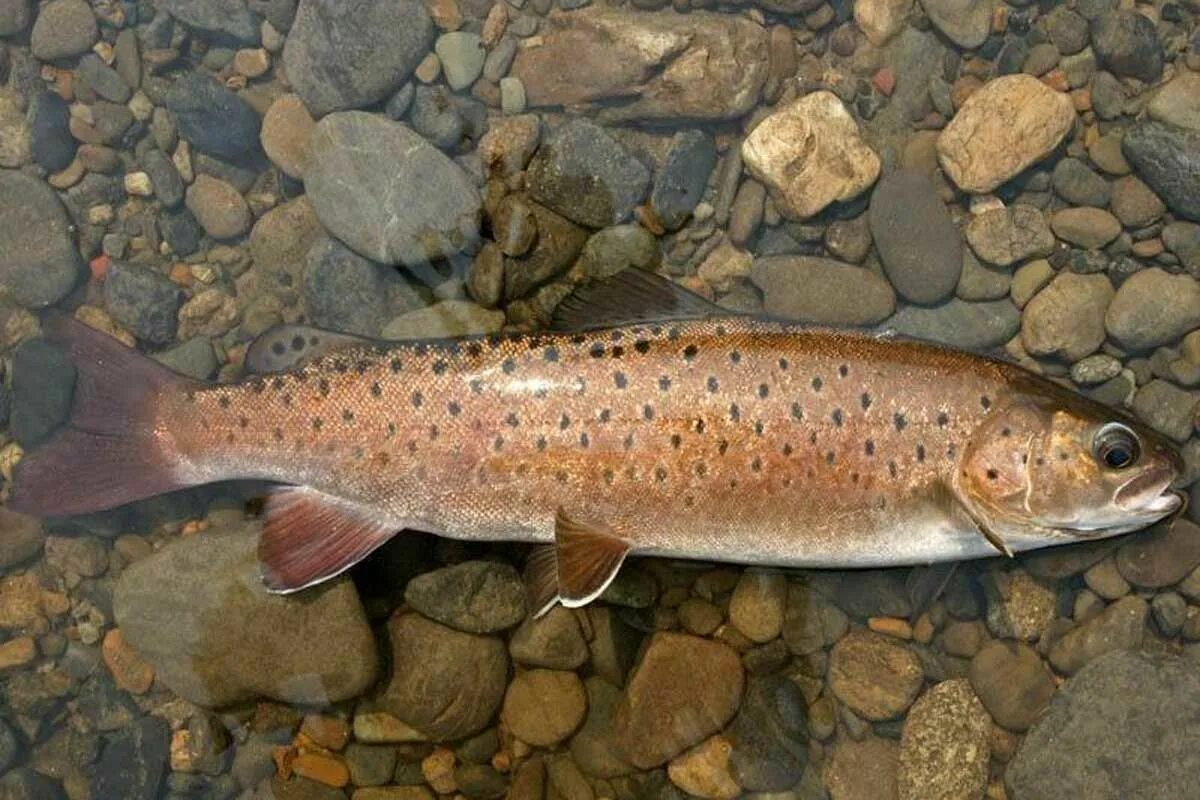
<point x="1015" y="179"/>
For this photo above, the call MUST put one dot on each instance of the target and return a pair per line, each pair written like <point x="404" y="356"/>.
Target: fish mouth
<point x="1150" y="492"/>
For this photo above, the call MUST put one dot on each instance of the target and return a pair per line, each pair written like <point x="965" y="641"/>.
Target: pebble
<point x="218" y="207"/>
<point x="193" y="357"/>
<point x="462" y="55"/>
<point x="543" y="707"/>
<point x="1105" y="580"/>
<point x="1120" y="626"/>
<point x="1065" y="320"/>
<point x="1076" y="183"/>
<point x="252" y="62"/>
<point x="286" y="130"/>
<point x="1168" y="159"/>
<point x="1170" y="611"/>
<point x="50" y="142"/>
<point x="696" y="683"/>
<point x="1105" y="153"/>
<point x="1183" y="240"/>
<point x="757" y="606"/>
<point x="370" y="765"/>
<point x="1006" y="236"/>
<point x="553" y="641"/>
<point x="344" y="291"/>
<point x="822" y="291"/>
<point x="945" y="745"/>
<point x="1127" y="44"/>
<point x="809" y="154"/>
<point x="227" y="18"/>
<point x="103" y="79"/>
<point x="447" y="319"/>
<point x="474" y="596"/>
<point x="63" y="28"/>
<point x="362" y="181"/>
<point x="1012" y="682"/>
<point x="23" y="535"/>
<point x="131" y="761"/>
<point x="582" y="173"/>
<point x="971" y="326"/>
<point x="337" y="60"/>
<point x="39" y="263"/>
<point x="1089" y="228"/>
<point x="769" y="736"/>
<point x="680" y="182"/>
<point x="211" y="118"/>
<point x="558" y="243"/>
<point x="143" y="301"/>
<point x="1152" y="308"/>
<point x="509" y="144"/>
<point x="703" y="771"/>
<point x="595" y="747"/>
<point x="1161" y="556"/>
<point x="15" y="141"/>
<point x="881" y="20"/>
<point x="923" y="269"/>
<point x="1178" y="101"/>
<point x="435" y="116"/>
<point x="164" y="605"/>
<point x="1134" y="204"/>
<point x="875" y="676"/>
<point x="14" y="18"/>
<point x="1019" y="606"/>
<point x="1136" y="741"/>
<point x="1012" y="122"/>
<point x="863" y="770"/>
<point x="699" y="616"/>
<point x="445" y="683"/>
<point x="981" y="282"/>
<point x="964" y="22"/>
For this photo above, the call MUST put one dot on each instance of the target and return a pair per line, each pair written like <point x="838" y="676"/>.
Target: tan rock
<point x="704" y="772"/>
<point x="877" y="677"/>
<point x="863" y="770"/>
<point x="880" y="20"/>
<point x="16" y="653"/>
<point x="1012" y="122"/>
<point x="662" y="65"/>
<point x="1066" y="319"/>
<point x="218" y="207"/>
<point x="286" y="129"/>
<point x="945" y="746"/>
<point x="809" y="154"/>
<point x="544" y="706"/>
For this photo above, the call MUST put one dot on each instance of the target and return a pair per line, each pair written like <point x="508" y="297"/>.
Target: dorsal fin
<point x="629" y="297"/>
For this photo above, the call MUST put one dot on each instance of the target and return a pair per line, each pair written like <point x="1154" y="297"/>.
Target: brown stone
<point x="875" y="676"/>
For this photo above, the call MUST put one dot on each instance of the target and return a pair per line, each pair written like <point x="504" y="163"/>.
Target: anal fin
<point x="309" y="537"/>
<point x="577" y="568"/>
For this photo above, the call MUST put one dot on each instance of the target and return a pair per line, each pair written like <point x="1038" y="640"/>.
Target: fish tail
<point x="109" y="452"/>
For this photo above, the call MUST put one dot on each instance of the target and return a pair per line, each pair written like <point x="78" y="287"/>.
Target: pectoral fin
<point x="941" y="496"/>
<point x="577" y="568"/>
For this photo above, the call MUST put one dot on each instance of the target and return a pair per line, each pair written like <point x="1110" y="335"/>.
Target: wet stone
<point x="1134" y="204"/>
<point x="863" y="770"/>
<point x="480" y="781"/>
<point x="595" y="747"/>
<point x="462" y="56"/>
<point x="14" y="16"/>
<point x="1127" y="44"/>
<point x="876" y="677"/>
<point x="981" y="282"/>
<point x="1066" y="319"/>
<point x="1088" y="228"/>
<point x="611" y="250"/>
<point x="230" y="19"/>
<point x="1019" y="606"/>
<point x="22" y="536"/>
<point x="475" y="596"/>
<point x="1167" y="157"/>
<point x="221" y="211"/>
<point x="181" y="231"/>
<point x="1066" y="29"/>
<point x="1152" y="308"/>
<point x="51" y="143"/>
<point x="132" y="761"/>
<point x="286" y="130"/>
<point x="1161" y="556"/>
<point x="1178" y="102"/>
<point x="1005" y="236"/>
<point x="435" y="116"/>
<point x="769" y="736"/>
<point x="211" y="118"/>
<point x="972" y="326"/>
<point x="924" y="269"/>
<point x="103" y="79"/>
<point x="43" y="381"/>
<point x="1120" y="626"/>
<point x="1012" y="682"/>
<point x="680" y="182"/>
<point x="543" y="706"/>
<point x="39" y="264"/>
<point x="1166" y="408"/>
<point x="168" y="185"/>
<point x="1076" y="183"/>
<point x="63" y="28"/>
<point x="821" y="290"/>
<point x="553" y="640"/>
<point x="944" y="748"/>
<point x="1133" y="714"/>
<point x="143" y="301"/>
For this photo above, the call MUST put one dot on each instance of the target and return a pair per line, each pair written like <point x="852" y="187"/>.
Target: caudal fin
<point x="107" y="453"/>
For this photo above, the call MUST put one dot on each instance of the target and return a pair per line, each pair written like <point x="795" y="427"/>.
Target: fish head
<point x="1057" y="467"/>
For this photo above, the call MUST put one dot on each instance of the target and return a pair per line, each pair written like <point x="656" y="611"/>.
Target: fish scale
<point x="685" y="438"/>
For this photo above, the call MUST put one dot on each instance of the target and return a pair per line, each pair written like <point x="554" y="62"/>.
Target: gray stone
<point x="582" y="173"/>
<point x="1128" y="45"/>
<point x="1012" y="682"/>
<point x="981" y="281"/>
<point x="1162" y="556"/>
<point x="462" y="56"/>
<point x="211" y="118"/>
<point x="770" y="736"/>
<point x="595" y="747"/>
<point x="181" y="231"/>
<point x="924" y="268"/>
<point x="197" y="610"/>
<point x="611" y="250"/>
<point x="103" y="79"/>
<point x="971" y="326"/>
<point x="14" y="16"/>
<point x="822" y="291"/>
<point x="1076" y="183"/>
<point x="474" y="596"/>
<point x="681" y="180"/>
<point x="1178" y="102"/>
<point x="370" y="765"/>
<point x="435" y="115"/>
<point x="164" y="177"/>
<point x="63" y="28"/>
<point x="553" y="640"/>
<point x="133" y="761"/>
<point x="1065" y="320"/>
<point x="1183" y="239"/>
<point x="228" y="17"/>
<point x="1166" y="408"/>
<point x="1005" y="236"/>
<point x="1167" y="158"/>
<point x="446" y="319"/>
<point x="1134" y="714"/>
<point x="1066" y="29"/>
<point x="445" y="683"/>
<point x="1108" y="96"/>
<point x="1153" y="307"/>
<point x="51" y="143"/>
<point x="194" y="358"/>
<point x="22" y="539"/>
<point x="344" y="291"/>
<point x="43" y="381"/>
<point x="143" y="301"/>
<point x="1134" y="204"/>
<point x="38" y="261"/>
<point x="1120" y="626"/>
<point x="964" y="22"/>
<point x="387" y="193"/>
<point x="348" y="55"/>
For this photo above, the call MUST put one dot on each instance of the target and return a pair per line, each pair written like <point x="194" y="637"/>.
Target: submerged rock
<point x="944" y="749"/>
<point x="38" y="261"/>
<point x="197" y="610"/>
<point x="475" y="596"/>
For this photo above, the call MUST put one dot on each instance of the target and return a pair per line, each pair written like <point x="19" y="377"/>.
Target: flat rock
<point x="1167" y="158"/>
<point x="14" y="16"/>
<point x="51" y="144"/>
<point x="1178" y="102"/>
<point x="349" y="55"/>
<point x="684" y="689"/>
<point x="178" y="608"/>
<point x="809" y="154"/>
<point x="445" y="683"/>
<point x="582" y="173"/>
<point x="1011" y="123"/>
<point x="1166" y="408"/>
<point x="1161" y="556"/>
<point x="1152" y="308"/>
<point x="544" y="706"/>
<point x="63" y="28"/>
<point x="918" y="242"/>
<point x="967" y="23"/>
<point x="875" y="676"/>
<point x="769" y="736"/>
<point x="681" y="180"/>
<point x="658" y="66"/>
<point x="43" y="385"/>
<point x="822" y="291"/>
<point x="39" y="264"/>
<point x="387" y="193"/>
<point x="343" y="291"/>
<point x="1076" y="183"/>
<point x="863" y="770"/>
<point x="1134" y="204"/>
<point x="218" y="207"/>
<point x="756" y="607"/>
<point x="474" y="596"/>
<point x="133" y="762"/>
<point x="286" y="133"/>
<point x="971" y="326"/>
<point x="1120" y="626"/>
<point x="211" y="118"/>
<point x="945" y="745"/>
<point x="1134" y="714"/>
<point x="1006" y="236"/>
<point x="1065" y="320"/>
<point x="1012" y="682"/>
<point x="881" y="20"/>
<point x="1088" y="228"/>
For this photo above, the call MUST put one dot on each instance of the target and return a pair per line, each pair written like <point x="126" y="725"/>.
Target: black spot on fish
<point x="1006" y="432"/>
<point x="783" y="364"/>
<point x="690" y="352"/>
<point x="540" y="444"/>
<point x="854" y="477"/>
<point x="735" y="357"/>
<point x="676" y="440"/>
<point x="474" y="350"/>
<point x="608" y="476"/>
<point x="277" y="383"/>
<point x="943" y="419"/>
<point x="376" y="389"/>
<point x="361" y="366"/>
<point x="439" y="367"/>
<point x="476" y="385"/>
<point x="620" y="380"/>
<point x="664" y="383"/>
<point x="584" y="441"/>
<point x="550" y="354"/>
<point x="787" y="449"/>
<point x="722" y="447"/>
<point x="797" y="412"/>
<point x="229" y="437"/>
<point x="243" y="422"/>
<point x="417" y="399"/>
<point x="843" y="371"/>
<point x="605" y="414"/>
<point x="279" y="349"/>
<point x="869" y="447"/>
<point x="223" y="401"/>
<point x="660" y="474"/>
<point x="648" y="411"/>
<point x="992" y="474"/>
<point x="561" y="476"/>
<point x="422" y="349"/>
<point x="865" y="400"/>
<point x="763" y="391"/>
<point x="712" y="384"/>
<point x="617" y="351"/>
<point x="1041" y="462"/>
<point x="735" y="413"/>
<point x="986" y="402"/>
<point x="892" y="469"/>
<point x="759" y="427"/>
<point x="510" y="419"/>
<point x="340" y="365"/>
<point x="920" y="453"/>
<point x="642" y="346"/>
<point x="323" y="387"/>
<point x="317" y="423"/>
<point x="721" y="330"/>
<point x="391" y="429"/>
<point x="627" y="443"/>
<point x="286" y="398"/>
<point x="454" y="408"/>
<point x="412" y="447"/>
<point x="688" y="501"/>
<point x="347" y="415"/>
<point x="564" y="422"/>
<point x="812" y="437"/>
<point x="756" y="464"/>
<point x="700" y="426"/>
<point x="701" y="469"/>
<point x="830" y="457"/>
<point x="673" y="333"/>
<point x="899" y="421"/>
<point x="816" y="384"/>
<point x="836" y="416"/>
<point x="396" y="365"/>
<point x="278" y="434"/>
<point x="596" y="351"/>
<point x="508" y="365"/>
<point x="258" y="385"/>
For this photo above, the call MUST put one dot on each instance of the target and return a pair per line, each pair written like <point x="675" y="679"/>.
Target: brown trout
<point x="696" y="435"/>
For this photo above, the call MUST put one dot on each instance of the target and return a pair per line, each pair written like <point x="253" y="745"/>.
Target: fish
<point x="645" y="421"/>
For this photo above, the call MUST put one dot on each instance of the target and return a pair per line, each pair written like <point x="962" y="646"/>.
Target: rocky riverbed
<point x="1010" y="177"/>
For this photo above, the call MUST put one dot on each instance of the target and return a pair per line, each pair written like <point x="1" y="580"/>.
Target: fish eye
<point x="1115" y="446"/>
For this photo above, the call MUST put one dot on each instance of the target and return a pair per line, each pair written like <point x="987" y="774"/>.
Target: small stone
<point x="1005" y="236"/>
<point x="218" y="207"/>
<point x="143" y="301"/>
<point x="1177" y="102"/>
<point x="881" y="20"/>
<point x="849" y="240"/>
<point x="1127" y="44"/>
<point x="253" y="62"/>
<point x="1170" y="612"/>
<point x="447" y="319"/>
<point x="1152" y="308"/>
<point x="21" y="536"/>
<point x="475" y="596"/>
<point x="810" y="154"/>
<point x="370" y="765"/>
<point x="822" y="291"/>
<point x="211" y="118"/>
<point x="552" y="640"/>
<point x="1161" y="556"/>
<point x="543" y="707"/>
<point x="681" y="180"/>
<point x="165" y="181"/>
<point x="863" y="770"/>
<point x="1077" y="184"/>
<point x="876" y="677"/>
<point x="39" y="263"/>
<point x="1089" y="228"/>
<point x="1105" y="580"/>
<point x="63" y="28"/>
<point x="462" y="57"/>
<point x="757" y="606"/>
<point x="945" y="747"/>
<point x="1167" y="157"/>
<point x="286" y="130"/>
<point x="1011" y="123"/>
<point x="770" y="736"/>
<point x="1065" y="320"/>
<point x="138" y="183"/>
<point x="323" y="769"/>
<point x="1012" y="682"/>
<point x="1019" y="606"/>
<point x="981" y="282"/>
<point x="1095" y="369"/>
<point x="924" y="269"/>
<point x="595" y="747"/>
<point x="1134" y="204"/>
<point x="703" y="771"/>
<point x="1120" y="626"/>
<point x="49" y="137"/>
<point x="509" y="144"/>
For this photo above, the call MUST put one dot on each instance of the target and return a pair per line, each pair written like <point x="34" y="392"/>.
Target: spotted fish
<point x="646" y="422"/>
